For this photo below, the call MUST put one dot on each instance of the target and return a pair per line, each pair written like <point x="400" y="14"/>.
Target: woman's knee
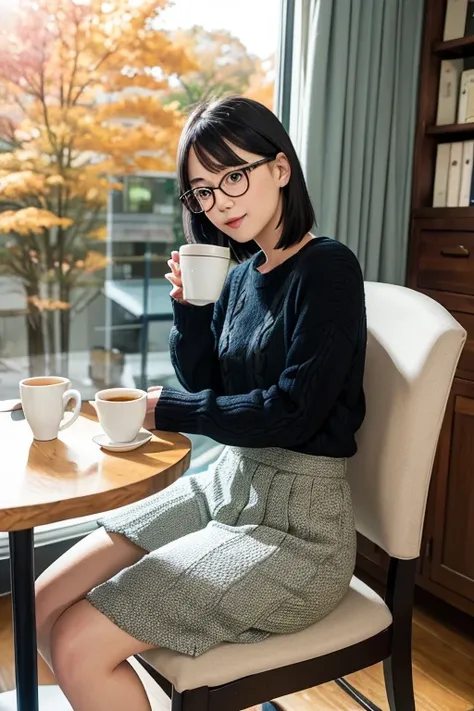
<point x="77" y="645"/>
<point x="68" y="651"/>
<point x="86" y="644"/>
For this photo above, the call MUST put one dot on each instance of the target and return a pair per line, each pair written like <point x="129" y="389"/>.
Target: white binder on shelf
<point x="466" y="173"/>
<point x="466" y="97"/>
<point x="454" y="175"/>
<point x="455" y="19"/>
<point x="448" y="94"/>
<point x="440" y="191"/>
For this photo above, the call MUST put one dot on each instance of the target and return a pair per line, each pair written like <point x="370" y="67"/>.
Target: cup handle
<point x="70" y="395"/>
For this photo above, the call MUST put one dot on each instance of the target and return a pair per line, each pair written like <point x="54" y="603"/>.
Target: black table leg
<point x="22" y="574"/>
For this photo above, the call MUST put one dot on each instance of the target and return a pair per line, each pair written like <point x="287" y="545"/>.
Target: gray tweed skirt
<point x="262" y="543"/>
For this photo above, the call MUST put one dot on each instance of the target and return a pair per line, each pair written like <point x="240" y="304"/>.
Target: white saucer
<point x="103" y="441"/>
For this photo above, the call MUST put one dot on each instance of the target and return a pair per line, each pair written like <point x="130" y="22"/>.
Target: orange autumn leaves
<point x="87" y="95"/>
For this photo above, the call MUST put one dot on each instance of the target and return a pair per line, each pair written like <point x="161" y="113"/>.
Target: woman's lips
<point x="235" y="224"/>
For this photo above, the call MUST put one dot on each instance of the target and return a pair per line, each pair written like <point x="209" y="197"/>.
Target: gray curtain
<point x="353" y="111"/>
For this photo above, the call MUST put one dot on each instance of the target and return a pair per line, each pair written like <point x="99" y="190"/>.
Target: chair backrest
<point x="413" y="347"/>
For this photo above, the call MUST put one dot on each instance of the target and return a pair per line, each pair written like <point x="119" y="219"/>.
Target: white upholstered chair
<point x="413" y="348"/>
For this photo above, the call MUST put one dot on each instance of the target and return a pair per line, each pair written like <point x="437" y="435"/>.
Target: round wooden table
<point x="69" y="477"/>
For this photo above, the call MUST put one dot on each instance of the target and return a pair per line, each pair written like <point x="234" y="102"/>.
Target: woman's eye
<point x="203" y="194"/>
<point x="235" y="177"/>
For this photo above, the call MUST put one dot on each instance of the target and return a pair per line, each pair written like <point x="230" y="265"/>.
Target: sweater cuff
<point x="187" y="317"/>
<point x="178" y="411"/>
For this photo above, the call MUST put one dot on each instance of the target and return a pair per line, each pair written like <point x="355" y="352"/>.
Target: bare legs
<point x="89" y="654"/>
<point x="84" y="649"/>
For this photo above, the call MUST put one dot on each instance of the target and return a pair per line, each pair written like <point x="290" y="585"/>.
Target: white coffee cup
<point x="121" y="412"/>
<point x="44" y="400"/>
<point x="204" y="268"/>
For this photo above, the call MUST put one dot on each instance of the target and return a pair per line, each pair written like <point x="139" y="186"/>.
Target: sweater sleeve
<point x="284" y="415"/>
<point x="290" y="411"/>
<point x="193" y="344"/>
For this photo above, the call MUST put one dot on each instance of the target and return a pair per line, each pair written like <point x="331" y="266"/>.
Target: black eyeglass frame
<point x="244" y="168"/>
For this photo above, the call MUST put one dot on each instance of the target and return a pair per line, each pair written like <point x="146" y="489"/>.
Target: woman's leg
<point x="89" y="654"/>
<point x="175" y="512"/>
<point x="93" y="560"/>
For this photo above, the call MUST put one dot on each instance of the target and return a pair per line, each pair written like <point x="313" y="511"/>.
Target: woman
<point x="265" y="541"/>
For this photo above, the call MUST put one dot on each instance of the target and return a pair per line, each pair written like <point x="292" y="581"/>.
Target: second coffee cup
<point x="204" y="268"/>
<point x="121" y="412"/>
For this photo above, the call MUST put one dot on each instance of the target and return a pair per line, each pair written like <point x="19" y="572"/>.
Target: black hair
<point x="251" y="126"/>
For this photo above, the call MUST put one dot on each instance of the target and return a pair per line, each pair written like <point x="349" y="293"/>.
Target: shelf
<point x="452" y="132"/>
<point x="444" y="213"/>
<point x="454" y="49"/>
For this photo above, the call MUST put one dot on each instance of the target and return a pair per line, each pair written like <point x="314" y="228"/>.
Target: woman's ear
<point x="282" y="170"/>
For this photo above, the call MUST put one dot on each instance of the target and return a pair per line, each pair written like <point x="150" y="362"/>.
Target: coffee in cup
<point x="204" y="269"/>
<point x="121" y="412"/>
<point x="44" y="401"/>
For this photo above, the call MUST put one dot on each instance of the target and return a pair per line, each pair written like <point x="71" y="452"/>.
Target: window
<point x="88" y="199"/>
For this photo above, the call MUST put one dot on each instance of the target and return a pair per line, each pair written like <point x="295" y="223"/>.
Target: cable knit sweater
<point x="279" y="360"/>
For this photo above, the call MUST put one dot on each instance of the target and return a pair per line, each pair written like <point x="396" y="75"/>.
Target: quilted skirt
<point x="262" y="543"/>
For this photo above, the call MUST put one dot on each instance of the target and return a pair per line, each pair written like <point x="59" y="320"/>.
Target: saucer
<point x="103" y="441"/>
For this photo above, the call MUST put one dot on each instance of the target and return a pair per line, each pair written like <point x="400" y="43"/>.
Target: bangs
<point x="213" y="151"/>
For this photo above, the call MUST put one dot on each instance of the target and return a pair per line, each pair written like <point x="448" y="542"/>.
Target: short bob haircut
<point x="250" y="126"/>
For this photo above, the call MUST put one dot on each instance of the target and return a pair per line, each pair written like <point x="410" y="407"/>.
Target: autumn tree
<point x="222" y="66"/>
<point x="80" y="84"/>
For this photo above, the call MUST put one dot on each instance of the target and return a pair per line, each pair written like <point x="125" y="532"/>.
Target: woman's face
<point x="247" y="216"/>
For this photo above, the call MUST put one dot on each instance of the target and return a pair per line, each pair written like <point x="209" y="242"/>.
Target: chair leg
<point x="397" y="668"/>
<point x="398" y="675"/>
<point x="176" y="701"/>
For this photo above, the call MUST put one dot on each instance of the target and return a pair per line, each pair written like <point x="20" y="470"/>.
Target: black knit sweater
<point x="279" y="360"/>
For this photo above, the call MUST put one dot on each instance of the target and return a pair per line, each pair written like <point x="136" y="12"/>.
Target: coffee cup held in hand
<point x="121" y="412"/>
<point x="44" y="401"/>
<point x="204" y="269"/>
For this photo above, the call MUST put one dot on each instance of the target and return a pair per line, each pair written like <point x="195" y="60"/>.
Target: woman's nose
<point x="223" y="201"/>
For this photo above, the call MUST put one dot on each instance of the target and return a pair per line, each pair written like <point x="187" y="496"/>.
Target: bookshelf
<point x="454" y="49"/>
<point x="441" y="265"/>
<point x="452" y="132"/>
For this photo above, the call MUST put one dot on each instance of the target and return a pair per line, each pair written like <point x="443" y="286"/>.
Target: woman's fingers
<point x="177" y="294"/>
<point x="174" y="277"/>
<point x="175" y="280"/>
<point x="175" y="269"/>
<point x="177" y="290"/>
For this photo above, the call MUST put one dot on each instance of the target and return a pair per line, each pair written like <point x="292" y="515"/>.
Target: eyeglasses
<point x="235" y="183"/>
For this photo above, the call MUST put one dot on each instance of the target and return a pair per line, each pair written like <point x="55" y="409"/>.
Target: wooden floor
<point x="443" y="658"/>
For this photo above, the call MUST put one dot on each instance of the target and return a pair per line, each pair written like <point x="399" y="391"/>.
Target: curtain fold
<point x="354" y="100"/>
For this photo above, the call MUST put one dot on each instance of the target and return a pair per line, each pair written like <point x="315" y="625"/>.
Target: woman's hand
<point x="174" y="276"/>
<point x="151" y="402"/>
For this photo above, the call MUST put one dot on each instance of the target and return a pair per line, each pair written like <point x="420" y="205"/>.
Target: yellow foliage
<point x="100" y="234"/>
<point x="94" y="262"/>
<point x="81" y="84"/>
<point x="48" y="304"/>
<point x="30" y="220"/>
<point x="14" y="186"/>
